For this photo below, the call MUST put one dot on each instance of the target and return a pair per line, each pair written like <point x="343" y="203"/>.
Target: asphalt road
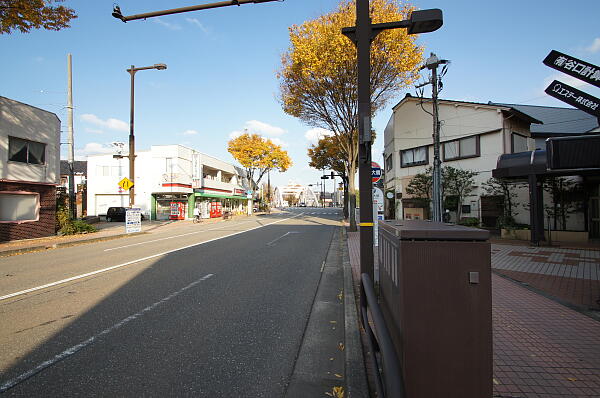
<point x="206" y="310"/>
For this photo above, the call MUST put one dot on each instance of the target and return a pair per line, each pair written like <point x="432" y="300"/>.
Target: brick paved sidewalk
<point x="571" y="275"/>
<point x="541" y="348"/>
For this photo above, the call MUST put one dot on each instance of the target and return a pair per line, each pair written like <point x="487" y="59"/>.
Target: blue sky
<point x="222" y="65"/>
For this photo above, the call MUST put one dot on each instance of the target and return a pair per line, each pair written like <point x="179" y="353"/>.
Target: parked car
<point x="117" y="214"/>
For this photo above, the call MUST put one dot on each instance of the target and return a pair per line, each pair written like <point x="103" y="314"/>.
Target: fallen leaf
<point x="332" y="321"/>
<point x="338" y="375"/>
<point x="341" y="346"/>
<point x="495" y="381"/>
<point x="338" y="392"/>
<point x="571" y="379"/>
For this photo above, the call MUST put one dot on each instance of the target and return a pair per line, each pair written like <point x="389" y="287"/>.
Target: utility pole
<point x="432" y="64"/>
<point x="71" y="150"/>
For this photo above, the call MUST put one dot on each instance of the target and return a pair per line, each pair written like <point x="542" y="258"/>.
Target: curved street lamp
<point x="131" y="156"/>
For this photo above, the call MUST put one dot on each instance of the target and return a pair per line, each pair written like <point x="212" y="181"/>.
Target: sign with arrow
<point x="126" y="184"/>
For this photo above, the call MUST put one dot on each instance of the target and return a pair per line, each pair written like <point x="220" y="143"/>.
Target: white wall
<point x="33" y="124"/>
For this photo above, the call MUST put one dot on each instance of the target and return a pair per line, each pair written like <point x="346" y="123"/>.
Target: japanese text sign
<point x="572" y="66"/>
<point x="574" y="97"/>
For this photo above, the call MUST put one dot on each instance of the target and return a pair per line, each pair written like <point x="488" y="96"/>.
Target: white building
<point x="170" y="181"/>
<point x="473" y="136"/>
<point x="29" y="170"/>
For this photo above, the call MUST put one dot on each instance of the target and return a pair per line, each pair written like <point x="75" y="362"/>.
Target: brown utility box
<point x="436" y="296"/>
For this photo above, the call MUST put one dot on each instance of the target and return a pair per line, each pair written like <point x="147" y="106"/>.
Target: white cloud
<point x="167" y="25"/>
<point x="197" y="23"/>
<point x="594" y="47"/>
<point x="94" y="148"/>
<point x="257" y="127"/>
<point x="279" y="142"/>
<point x="93" y="131"/>
<point x="314" y="135"/>
<point x="111" y="123"/>
<point x="190" y="132"/>
<point x="570" y="80"/>
<point x="235" y="134"/>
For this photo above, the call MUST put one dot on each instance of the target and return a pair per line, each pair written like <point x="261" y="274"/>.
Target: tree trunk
<point x="352" y="195"/>
<point x="346" y="198"/>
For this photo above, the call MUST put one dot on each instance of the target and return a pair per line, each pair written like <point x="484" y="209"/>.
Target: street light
<point x="421" y="21"/>
<point x="131" y="156"/>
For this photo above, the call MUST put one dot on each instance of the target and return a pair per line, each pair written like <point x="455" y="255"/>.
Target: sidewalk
<point x="106" y="231"/>
<point x="541" y="348"/>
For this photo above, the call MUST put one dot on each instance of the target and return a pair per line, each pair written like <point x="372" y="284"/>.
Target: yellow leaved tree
<point x="318" y="76"/>
<point x="24" y="15"/>
<point x="258" y="155"/>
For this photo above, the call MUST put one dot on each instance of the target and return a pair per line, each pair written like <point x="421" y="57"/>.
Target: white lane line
<point x="282" y="236"/>
<point x="74" y="349"/>
<point x="170" y="237"/>
<point x="73" y="278"/>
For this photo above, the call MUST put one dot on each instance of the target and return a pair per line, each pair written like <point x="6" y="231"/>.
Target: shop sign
<point x="572" y="66"/>
<point x="574" y="97"/>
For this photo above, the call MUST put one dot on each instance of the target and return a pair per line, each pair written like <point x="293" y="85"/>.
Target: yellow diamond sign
<point x="126" y="184"/>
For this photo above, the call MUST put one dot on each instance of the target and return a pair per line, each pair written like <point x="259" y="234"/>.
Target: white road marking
<point x="170" y="237"/>
<point x="73" y="278"/>
<point x="74" y="349"/>
<point x="282" y="236"/>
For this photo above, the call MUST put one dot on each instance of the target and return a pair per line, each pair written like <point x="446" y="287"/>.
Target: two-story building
<point x="473" y="136"/>
<point x="170" y="181"/>
<point x="29" y="170"/>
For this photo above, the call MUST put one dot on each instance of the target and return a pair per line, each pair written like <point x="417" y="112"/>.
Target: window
<point x="19" y="206"/>
<point x="102" y="171"/>
<point x="414" y="156"/>
<point x="461" y="149"/>
<point x="518" y="143"/>
<point x="25" y="151"/>
<point x="389" y="163"/>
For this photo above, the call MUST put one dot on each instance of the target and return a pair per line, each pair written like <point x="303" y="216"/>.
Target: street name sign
<point x="126" y="184"/>
<point x="574" y="97"/>
<point x="572" y="66"/>
<point x="375" y="172"/>
<point x="133" y="220"/>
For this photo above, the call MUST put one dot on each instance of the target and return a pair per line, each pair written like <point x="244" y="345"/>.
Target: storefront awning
<point x="216" y="195"/>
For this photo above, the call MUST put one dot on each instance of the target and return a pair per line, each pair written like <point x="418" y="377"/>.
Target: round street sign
<point x="375" y="172"/>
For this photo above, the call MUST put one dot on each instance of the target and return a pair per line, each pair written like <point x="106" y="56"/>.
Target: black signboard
<point x="572" y="66"/>
<point x="572" y="96"/>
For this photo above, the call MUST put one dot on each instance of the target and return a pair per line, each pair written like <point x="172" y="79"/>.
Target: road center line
<point x="74" y="349"/>
<point x="170" y="237"/>
<point x="282" y="236"/>
<point x="73" y="278"/>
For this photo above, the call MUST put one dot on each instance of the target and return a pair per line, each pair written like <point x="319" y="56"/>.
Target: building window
<point x="25" y="151"/>
<point x="414" y="157"/>
<point x="461" y="149"/>
<point x="518" y="143"/>
<point x="15" y="207"/>
<point x="389" y="162"/>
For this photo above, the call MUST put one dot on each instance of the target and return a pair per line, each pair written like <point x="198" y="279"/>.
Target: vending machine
<point x="178" y="211"/>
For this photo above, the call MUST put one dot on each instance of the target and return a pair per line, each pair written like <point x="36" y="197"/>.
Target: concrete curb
<point x="329" y="356"/>
<point x="356" y="377"/>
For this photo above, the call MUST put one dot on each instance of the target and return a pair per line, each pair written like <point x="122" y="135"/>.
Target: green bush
<point x="77" y="227"/>
<point x="469" y="221"/>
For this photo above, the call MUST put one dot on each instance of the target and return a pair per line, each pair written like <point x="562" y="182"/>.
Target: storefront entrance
<point x="171" y="206"/>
